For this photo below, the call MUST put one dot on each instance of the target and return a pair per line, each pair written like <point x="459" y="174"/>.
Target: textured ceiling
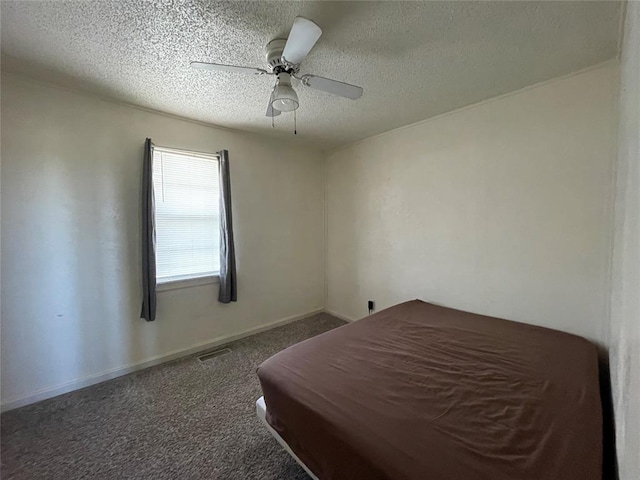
<point x="415" y="60"/>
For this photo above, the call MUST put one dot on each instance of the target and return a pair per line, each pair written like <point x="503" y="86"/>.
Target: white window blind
<point x="186" y="213"/>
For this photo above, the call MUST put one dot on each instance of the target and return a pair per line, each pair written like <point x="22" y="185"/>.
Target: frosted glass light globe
<point x="285" y="98"/>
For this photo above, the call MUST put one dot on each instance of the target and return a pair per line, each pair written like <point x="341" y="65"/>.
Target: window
<point x="186" y="213"/>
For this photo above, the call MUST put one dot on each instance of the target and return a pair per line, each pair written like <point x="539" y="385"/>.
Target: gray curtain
<point x="228" y="281"/>
<point x="148" y="237"/>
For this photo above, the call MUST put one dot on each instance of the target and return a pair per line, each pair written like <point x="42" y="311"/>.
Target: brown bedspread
<point x="419" y="391"/>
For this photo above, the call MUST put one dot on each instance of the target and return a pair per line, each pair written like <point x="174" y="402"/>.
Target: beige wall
<point x="625" y="314"/>
<point x="503" y="208"/>
<point x="71" y="173"/>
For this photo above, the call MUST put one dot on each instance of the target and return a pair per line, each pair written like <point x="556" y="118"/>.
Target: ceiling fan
<point x="284" y="57"/>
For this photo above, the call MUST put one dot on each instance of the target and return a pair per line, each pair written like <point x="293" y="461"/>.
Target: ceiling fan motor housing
<point x="274" y="51"/>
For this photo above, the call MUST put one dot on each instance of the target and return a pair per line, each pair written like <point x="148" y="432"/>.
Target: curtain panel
<point x="148" y="237"/>
<point x="228" y="278"/>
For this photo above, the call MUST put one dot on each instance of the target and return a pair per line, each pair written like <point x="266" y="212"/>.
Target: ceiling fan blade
<point x="272" y="112"/>
<point x="227" y="68"/>
<point x="303" y="36"/>
<point x="333" y="86"/>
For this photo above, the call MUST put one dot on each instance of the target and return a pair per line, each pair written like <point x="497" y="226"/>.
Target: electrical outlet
<point x="371" y="305"/>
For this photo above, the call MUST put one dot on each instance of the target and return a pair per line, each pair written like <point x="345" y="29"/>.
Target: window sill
<point x="187" y="282"/>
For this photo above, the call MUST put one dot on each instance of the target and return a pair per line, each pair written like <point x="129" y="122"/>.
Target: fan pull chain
<point x="295" y="125"/>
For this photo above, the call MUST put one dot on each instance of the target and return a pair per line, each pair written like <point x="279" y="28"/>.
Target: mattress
<point x="261" y="411"/>
<point x="419" y="391"/>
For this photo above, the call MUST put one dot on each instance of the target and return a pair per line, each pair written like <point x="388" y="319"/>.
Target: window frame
<point x="189" y="280"/>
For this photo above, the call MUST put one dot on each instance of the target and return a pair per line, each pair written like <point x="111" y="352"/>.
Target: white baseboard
<point x="341" y="316"/>
<point x="125" y="370"/>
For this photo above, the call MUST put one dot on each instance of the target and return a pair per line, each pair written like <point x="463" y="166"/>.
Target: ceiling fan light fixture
<point x="284" y="98"/>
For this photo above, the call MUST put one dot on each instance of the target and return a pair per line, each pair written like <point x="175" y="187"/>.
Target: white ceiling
<point x="415" y="60"/>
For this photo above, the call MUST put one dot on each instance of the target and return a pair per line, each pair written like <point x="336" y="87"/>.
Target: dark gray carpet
<point x="181" y="420"/>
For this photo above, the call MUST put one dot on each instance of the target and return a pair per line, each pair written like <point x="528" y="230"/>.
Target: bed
<point x="419" y="391"/>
